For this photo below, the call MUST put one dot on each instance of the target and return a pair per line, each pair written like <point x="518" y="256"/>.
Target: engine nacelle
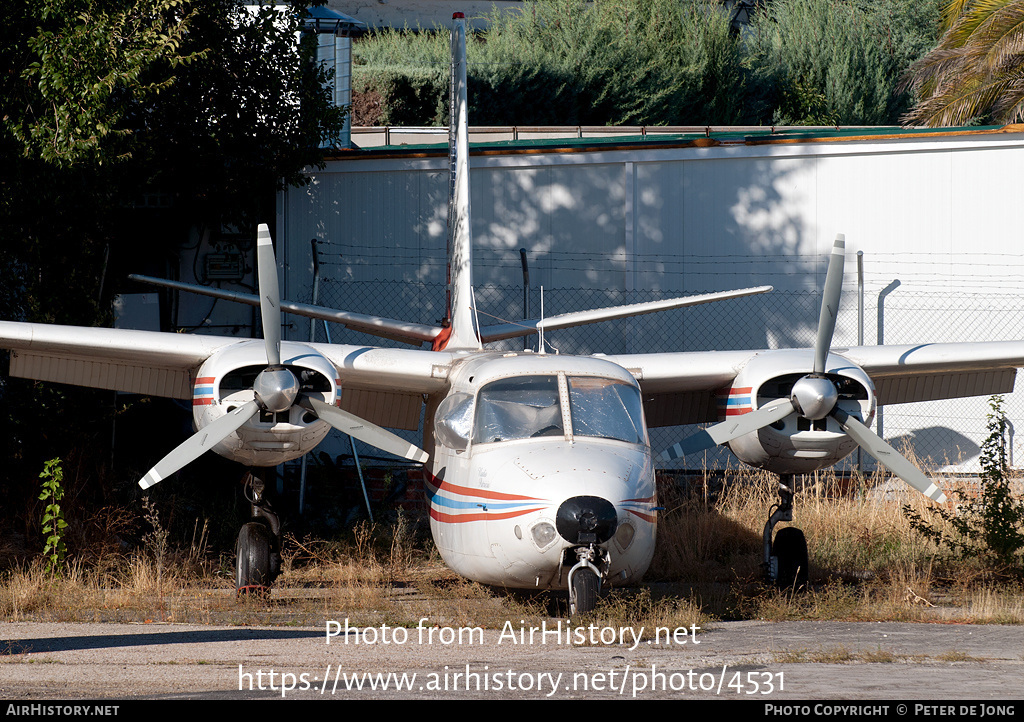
<point x="795" y="444"/>
<point x="226" y="381"/>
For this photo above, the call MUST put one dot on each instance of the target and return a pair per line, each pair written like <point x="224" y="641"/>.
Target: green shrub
<point x="569" y="62"/>
<point x="826" y="62"/>
<point x="991" y="523"/>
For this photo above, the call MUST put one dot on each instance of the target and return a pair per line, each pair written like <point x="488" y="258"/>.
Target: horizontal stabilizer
<point x="412" y="333"/>
<point x="503" y="331"/>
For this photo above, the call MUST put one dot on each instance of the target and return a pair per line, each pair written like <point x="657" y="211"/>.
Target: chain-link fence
<point x="949" y="433"/>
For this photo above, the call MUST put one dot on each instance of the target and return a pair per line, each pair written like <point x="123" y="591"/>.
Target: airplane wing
<point x="925" y="372"/>
<point x="142" y="362"/>
<point x="679" y="388"/>
<point x="386" y="385"/>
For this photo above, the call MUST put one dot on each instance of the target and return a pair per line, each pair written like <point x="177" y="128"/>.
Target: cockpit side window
<point x="523" y="407"/>
<point x="606" y="408"/>
<point x="453" y="421"/>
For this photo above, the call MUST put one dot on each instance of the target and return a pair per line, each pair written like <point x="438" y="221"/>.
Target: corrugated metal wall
<point x="937" y="219"/>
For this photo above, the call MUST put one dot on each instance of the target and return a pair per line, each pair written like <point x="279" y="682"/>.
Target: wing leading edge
<point x="386" y="384"/>
<point x="679" y="388"/>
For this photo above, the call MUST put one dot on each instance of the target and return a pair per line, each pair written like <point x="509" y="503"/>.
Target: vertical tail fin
<point x="461" y="332"/>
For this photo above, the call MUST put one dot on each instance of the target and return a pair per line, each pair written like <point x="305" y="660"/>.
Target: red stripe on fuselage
<point x="481" y="493"/>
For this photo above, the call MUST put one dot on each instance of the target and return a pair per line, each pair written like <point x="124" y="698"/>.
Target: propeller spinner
<point x="276" y="389"/>
<point x="814" y="397"/>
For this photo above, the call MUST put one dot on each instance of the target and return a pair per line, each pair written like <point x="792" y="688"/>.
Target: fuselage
<point x="535" y="456"/>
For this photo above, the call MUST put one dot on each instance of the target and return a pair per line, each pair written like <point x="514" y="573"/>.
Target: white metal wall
<point x="937" y="219"/>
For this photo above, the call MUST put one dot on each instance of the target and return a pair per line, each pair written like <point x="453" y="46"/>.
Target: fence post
<point x="860" y="333"/>
<point x="880" y="331"/>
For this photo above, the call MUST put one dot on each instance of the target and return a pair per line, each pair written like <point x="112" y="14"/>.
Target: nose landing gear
<point x="585" y="578"/>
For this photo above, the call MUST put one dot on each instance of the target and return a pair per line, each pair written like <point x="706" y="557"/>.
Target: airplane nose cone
<point x="586" y="520"/>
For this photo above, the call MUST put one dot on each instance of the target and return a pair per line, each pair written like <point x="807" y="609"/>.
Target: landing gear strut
<point x="785" y="561"/>
<point x="258" y="552"/>
<point x="584" y="581"/>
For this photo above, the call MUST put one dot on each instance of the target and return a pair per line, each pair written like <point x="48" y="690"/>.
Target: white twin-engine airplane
<point x="540" y="473"/>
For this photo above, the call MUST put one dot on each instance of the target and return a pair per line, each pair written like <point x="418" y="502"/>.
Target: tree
<point x="77" y="78"/>
<point x="832" y="62"/>
<point x="976" y="74"/>
<point x="569" y="62"/>
<point x="207" y="105"/>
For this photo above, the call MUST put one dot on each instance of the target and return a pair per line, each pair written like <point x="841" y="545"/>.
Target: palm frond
<point x="976" y="70"/>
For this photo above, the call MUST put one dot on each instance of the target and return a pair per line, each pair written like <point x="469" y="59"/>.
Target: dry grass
<point x="867" y="563"/>
<point x="866" y="560"/>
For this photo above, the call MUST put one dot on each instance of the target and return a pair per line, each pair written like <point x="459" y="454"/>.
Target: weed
<point x="156" y="540"/>
<point x="989" y="523"/>
<point x="640" y="609"/>
<point x="53" y="516"/>
<point x="880" y="656"/>
<point x="834" y="655"/>
<point x="791" y="656"/>
<point x="955" y="655"/>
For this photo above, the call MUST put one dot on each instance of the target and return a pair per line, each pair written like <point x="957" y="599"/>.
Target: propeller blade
<point x="830" y="303"/>
<point x="270" y="294"/>
<point x="888" y="456"/>
<point x="200" y="442"/>
<point x="731" y="428"/>
<point x="364" y="431"/>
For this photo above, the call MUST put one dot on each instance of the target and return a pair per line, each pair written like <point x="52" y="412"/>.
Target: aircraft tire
<point x="252" y="560"/>
<point x="790" y="549"/>
<point x="584" y="588"/>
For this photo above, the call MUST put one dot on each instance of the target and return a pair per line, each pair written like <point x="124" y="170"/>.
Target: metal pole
<point x="860" y="298"/>
<point x="312" y="338"/>
<point x="362" y="481"/>
<point x="860" y="333"/>
<point x="526" y="291"/>
<point x="879" y="416"/>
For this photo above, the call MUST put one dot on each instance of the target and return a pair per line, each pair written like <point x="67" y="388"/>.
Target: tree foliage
<point x="836" y="61"/>
<point x="106" y="105"/>
<point x="85" y="69"/>
<point x="976" y="73"/>
<point x="569" y="62"/>
<point x="617" y="62"/>
<point x="210" y="105"/>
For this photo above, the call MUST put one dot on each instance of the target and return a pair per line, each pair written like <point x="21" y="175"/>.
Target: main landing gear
<point x="258" y="552"/>
<point x="785" y="560"/>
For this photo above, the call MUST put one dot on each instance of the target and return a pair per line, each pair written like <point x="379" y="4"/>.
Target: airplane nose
<point x="586" y="520"/>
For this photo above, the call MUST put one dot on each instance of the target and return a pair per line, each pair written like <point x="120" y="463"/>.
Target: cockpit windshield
<point x="606" y="408"/>
<point x="526" y="407"/>
<point x="523" y="407"/>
